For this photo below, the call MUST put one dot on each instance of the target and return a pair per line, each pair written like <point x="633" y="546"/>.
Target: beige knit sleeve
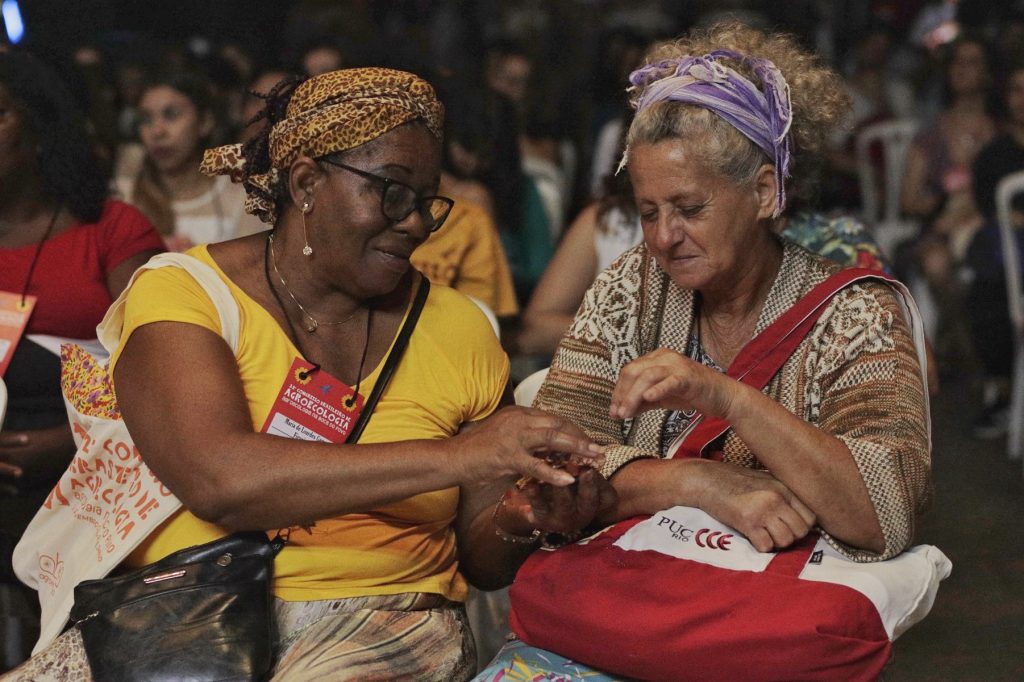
<point x="866" y="389"/>
<point x="586" y="364"/>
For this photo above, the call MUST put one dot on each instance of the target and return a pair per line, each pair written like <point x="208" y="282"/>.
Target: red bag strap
<point x="766" y="353"/>
<point x="791" y="560"/>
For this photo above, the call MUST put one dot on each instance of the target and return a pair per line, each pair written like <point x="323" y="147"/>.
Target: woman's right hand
<point x="533" y="505"/>
<point x="756" y="504"/>
<point x="514" y="442"/>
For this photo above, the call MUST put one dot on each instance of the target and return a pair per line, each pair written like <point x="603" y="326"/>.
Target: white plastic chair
<point x="883" y="216"/>
<point x="488" y="611"/>
<point x="491" y="317"/>
<point x="527" y="389"/>
<point x="1010" y="187"/>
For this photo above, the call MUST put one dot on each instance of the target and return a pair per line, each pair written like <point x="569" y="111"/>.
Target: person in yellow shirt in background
<point x="467" y="255"/>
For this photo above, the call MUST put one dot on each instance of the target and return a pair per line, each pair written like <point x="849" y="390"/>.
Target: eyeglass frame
<point x="390" y="182"/>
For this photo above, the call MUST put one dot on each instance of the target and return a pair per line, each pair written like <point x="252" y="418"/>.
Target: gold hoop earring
<point x="307" y="250"/>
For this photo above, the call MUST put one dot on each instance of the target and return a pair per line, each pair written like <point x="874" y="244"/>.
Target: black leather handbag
<point x="204" y="613"/>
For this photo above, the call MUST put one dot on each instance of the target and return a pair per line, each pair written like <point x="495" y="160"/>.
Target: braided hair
<point x="256" y="150"/>
<point x="50" y="116"/>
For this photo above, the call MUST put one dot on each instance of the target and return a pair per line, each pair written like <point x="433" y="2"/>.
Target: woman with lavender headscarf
<point x="838" y="440"/>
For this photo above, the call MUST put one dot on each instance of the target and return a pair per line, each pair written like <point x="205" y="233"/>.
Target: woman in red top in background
<point x="64" y="242"/>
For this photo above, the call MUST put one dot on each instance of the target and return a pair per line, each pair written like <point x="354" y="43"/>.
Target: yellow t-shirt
<point x="408" y="546"/>
<point x="466" y="254"/>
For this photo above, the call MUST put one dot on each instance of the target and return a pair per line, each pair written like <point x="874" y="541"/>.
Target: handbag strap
<point x="764" y="355"/>
<point x="397" y="350"/>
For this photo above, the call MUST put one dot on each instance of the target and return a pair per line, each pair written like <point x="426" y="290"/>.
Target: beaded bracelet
<point x="511" y="537"/>
<point x="553" y="540"/>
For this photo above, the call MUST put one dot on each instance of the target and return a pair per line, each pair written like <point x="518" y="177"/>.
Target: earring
<point x="307" y="250"/>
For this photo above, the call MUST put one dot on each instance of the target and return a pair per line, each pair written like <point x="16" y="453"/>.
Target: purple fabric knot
<point x="764" y="117"/>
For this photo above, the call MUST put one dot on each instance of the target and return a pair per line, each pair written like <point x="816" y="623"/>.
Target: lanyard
<point x="35" y="257"/>
<point x="291" y="327"/>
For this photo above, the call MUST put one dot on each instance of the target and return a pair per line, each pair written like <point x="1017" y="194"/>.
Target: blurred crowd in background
<point x="536" y="103"/>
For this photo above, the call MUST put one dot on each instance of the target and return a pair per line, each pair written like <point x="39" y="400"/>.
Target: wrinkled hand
<point x="564" y="510"/>
<point x="32" y="456"/>
<point x="667" y="379"/>
<point x="514" y="442"/>
<point x="756" y="504"/>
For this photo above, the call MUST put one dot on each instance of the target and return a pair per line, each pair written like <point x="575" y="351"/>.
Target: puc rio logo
<point x="705" y="537"/>
<point x="716" y="539"/>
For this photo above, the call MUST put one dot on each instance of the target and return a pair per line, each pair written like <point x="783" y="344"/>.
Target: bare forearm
<point x="815" y="465"/>
<point x="497" y="531"/>
<point x="205" y="451"/>
<point x="249" y="484"/>
<point x="916" y="198"/>
<point x="647" y="486"/>
<point x="560" y="290"/>
<point x="487" y="561"/>
<point x="541" y="332"/>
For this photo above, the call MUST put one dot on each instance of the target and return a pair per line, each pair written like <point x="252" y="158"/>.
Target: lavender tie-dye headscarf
<point x="763" y="117"/>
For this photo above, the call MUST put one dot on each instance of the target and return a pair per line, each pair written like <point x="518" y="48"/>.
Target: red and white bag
<point x="108" y="501"/>
<point x="681" y="596"/>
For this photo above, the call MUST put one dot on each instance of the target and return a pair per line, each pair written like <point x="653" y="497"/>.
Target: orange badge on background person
<point x="14" y="313"/>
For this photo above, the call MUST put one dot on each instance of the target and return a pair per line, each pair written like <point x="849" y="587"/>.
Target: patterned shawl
<point x="856" y="376"/>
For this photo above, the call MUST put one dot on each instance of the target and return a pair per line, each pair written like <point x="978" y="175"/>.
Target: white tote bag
<point x="108" y="501"/>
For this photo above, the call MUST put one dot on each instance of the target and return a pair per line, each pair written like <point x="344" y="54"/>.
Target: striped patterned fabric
<point x="411" y="636"/>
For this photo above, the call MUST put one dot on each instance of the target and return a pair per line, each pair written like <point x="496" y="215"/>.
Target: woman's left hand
<point x="669" y="380"/>
<point x="535" y="505"/>
<point x="33" y="456"/>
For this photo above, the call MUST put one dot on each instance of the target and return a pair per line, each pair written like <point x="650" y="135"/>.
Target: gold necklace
<point x="312" y="323"/>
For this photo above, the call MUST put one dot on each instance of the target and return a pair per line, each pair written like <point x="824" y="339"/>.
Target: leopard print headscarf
<point x="330" y="113"/>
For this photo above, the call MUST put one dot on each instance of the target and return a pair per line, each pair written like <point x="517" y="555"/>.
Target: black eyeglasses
<point x="398" y="200"/>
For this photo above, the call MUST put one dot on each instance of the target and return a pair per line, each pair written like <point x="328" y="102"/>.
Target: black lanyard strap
<point x="391" y="363"/>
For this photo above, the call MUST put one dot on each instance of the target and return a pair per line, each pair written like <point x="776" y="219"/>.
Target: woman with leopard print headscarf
<point x="381" y="533"/>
